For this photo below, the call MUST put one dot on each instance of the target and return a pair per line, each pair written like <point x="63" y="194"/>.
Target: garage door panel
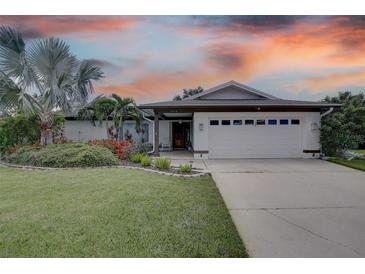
<point x="260" y="141"/>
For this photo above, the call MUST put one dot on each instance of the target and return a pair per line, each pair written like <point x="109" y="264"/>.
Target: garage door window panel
<point x="249" y="122"/>
<point x="226" y="122"/>
<point x="272" y="122"/>
<point x="260" y="122"/>
<point x="237" y="122"/>
<point x="295" y="122"/>
<point x="284" y="122"/>
<point x="214" y="122"/>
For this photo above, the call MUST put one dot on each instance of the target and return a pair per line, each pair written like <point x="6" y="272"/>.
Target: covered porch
<point x="173" y="134"/>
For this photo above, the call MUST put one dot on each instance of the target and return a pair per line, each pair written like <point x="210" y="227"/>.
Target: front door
<point x="180" y="134"/>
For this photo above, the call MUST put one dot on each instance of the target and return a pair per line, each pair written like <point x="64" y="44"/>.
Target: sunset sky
<point x="152" y="58"/>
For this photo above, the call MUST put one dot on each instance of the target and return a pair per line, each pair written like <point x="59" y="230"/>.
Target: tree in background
<point x="41" y="78"/>
<point x="188" y="92"/>
<point x="344" y="129"/>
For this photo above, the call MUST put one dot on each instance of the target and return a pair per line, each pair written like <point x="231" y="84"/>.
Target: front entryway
<point x="180" y="135"/>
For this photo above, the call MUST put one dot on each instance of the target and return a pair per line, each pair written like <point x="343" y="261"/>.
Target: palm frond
<point x="87" y="72"/>
<point x="51" y="58"/>
<point x="13" y="59"/>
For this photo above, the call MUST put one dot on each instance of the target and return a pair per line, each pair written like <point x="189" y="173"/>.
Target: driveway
<point x="294" y="207"/>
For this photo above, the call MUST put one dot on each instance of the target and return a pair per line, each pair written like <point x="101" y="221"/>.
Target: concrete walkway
<point x="294" y="207"/>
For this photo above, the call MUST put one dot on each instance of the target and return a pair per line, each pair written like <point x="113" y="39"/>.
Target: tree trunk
<point x="107" y="131"/>
<point x="46" y="137"/>
<point x="121" y="132"/>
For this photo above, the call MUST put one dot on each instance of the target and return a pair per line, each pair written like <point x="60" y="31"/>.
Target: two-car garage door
<point x="254" y="138"/>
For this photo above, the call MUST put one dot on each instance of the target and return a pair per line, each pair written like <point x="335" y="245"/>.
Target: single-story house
<point x="230" y="120"/>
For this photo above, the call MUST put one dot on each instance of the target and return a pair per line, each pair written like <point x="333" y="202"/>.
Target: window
<point x="295" y="121"/>
<point x="272" y="122"/>
<point x="145" y="133"/>
<point x="284" y="121"/>
<point x="249" y="122"/>
<point x="260" y="122"/>
<point x="237" y="122"/>
<point x="214" y="122"/>
<point x="226" y="122"/>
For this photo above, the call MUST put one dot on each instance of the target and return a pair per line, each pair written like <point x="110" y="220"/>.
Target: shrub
<point x="18" y="130"/>
<point x="119" y="148"/>
<point x="134" y="148"/>
<point x="136" y="157"/>
<point x="24" y="130"/>
<point x="146" y="161"/>
<point x="64" y="155"/>
<point x="162" y="163"/>
<point x="186" y="168"/>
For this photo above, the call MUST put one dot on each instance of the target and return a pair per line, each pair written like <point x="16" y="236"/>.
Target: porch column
<point x="157" y="135"/>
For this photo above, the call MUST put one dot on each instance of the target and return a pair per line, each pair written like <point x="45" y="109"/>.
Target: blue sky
<point x="154" y="57"/>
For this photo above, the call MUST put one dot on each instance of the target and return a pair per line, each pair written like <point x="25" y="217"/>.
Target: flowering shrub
<point x="119" y="148"/>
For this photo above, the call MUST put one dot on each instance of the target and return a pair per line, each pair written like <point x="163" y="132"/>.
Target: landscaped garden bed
<point x="97" y="153"/>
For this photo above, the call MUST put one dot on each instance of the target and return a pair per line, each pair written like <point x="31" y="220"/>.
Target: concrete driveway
<point x="294" y="207"/>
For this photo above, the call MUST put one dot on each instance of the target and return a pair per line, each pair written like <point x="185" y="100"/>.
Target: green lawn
<point x="355" y="163"/>
<point x="360" y="151"/>
<point x="112" y="213"/>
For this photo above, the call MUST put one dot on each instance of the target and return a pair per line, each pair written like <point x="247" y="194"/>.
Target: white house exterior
<point x="228" y="121"/>
<point x="82" y="130"/>
<point x="236" y="121"/>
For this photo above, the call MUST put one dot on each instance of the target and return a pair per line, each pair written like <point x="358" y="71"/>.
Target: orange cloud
<point x="331" y="81"/>
<point x="36" y="26"/>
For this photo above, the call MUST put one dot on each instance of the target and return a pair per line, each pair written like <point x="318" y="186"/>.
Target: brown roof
<point x="236" y="103"/>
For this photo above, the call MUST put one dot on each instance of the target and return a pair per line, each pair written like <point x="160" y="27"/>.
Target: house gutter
<point x="153" y="133"/>
<point x="327" y="112"/>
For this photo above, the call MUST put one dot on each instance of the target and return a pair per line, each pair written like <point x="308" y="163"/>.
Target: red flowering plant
<point x="119" y="148"/>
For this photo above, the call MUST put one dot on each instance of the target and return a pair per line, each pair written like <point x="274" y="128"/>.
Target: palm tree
<point x="125" y="108"/>
<point x="98" y="110"/>
<point x="41" y="78"/>
<point x="118" y="108"/>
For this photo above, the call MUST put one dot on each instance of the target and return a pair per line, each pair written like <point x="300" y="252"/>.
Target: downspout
<point x="153" y="133"/>
<point x="327" y="112"/>
<point x="322" y="115"/>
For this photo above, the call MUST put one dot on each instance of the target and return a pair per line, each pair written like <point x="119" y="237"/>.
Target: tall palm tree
<point x="42" y="77"/>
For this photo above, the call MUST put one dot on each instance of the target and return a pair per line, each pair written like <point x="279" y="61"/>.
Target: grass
<point x="112" y="213"/>
<point x="360" y="151"/>
<point x="355" y="163"/>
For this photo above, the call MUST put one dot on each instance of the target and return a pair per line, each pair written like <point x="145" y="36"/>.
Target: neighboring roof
<point x="231" y="83"/>
<point x="238" y="103"/>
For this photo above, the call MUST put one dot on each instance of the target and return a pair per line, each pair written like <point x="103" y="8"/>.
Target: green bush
<point x="186" y="168"/>
<point x="146" y="161"/>
<point x="21" y="129"/>
<point x="136" y="157"/>
<point x="162" y="163"/>
<point x="64" y="155"/>
<point x="18" y="130"/>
